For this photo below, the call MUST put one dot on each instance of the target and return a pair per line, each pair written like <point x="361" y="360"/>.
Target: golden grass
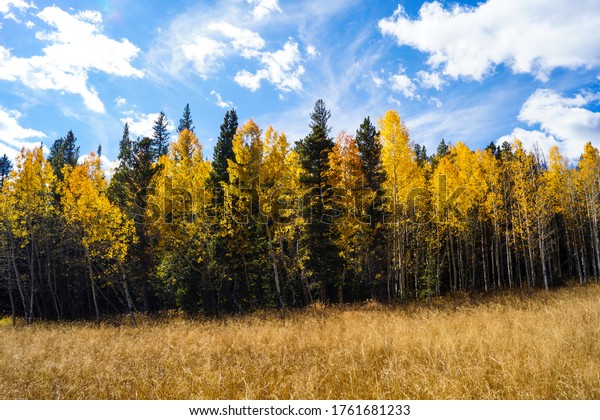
<point x="544" y="347"/>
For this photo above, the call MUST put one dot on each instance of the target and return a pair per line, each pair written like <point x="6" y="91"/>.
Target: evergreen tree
<point x="129" y="188"/>
<point x="224" y="149"/>
<point x="369" y="146"/>
<point x="5" y="169"/>
<point x="161" y="134"/>
<point x="442" y="150"/>
<point x="117" y="189"/>
<point x="63" y="152"/>
<point x="125" y="148"/>
<point x="223" y="265"/>
<point x="185" y="122"/>
<point x="420" y="154"/>
<point x="321" y="259"/>
<point x="493" y="148"/>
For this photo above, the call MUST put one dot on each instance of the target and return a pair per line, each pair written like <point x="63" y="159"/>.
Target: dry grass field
<point x="546" y="346"/>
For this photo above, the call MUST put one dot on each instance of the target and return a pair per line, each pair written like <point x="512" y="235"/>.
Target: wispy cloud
<point x="225" y="37"/>
<point x="220" y="102"/>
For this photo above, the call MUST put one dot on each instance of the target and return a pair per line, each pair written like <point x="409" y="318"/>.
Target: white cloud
<point x="281" y="68"/>
<point x="120" y="101"/>
<point x="29" y="24"/>
<point x="401" y="83"/>
<point x="248" y="42"/>
<point x="187" y="49"/>
<point x="263" y="8"/>
<point x="140" y="125"/>
<point x="12" y="134"/>
<point x="75" y="46"/>
<point x="531" y="139"/>
<point x="532" y="36"/>
<point x="12" y="16"/>
<point x="220" y="102"/>
<point x="248" y="80"/>
<point x="312" y="51"/>
<point x="430" y="80"/>
<point x="378" y="80"/>
<point x="22" y="5"/>
<point x="107" y="165"/>
<point x="436" y="102"/>
<point x="206" y="47"/>
<point x="564" y="120"/>
<point x="394" y="101"/>
<point x="204" y="54"/>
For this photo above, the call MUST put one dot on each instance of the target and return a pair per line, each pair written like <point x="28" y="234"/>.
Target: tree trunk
<point x="542" y="253"/>
<point x="92" y="285"/>
<point x="275" y="270"/>
<point x="18" y="279"/>
<point x="484" y="258"/>
<point x="130" y="306"/>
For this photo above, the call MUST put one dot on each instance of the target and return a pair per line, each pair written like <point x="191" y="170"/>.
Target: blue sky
<point x="462" y="71"/>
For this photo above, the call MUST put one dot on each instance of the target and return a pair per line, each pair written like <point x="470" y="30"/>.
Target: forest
<point x="272" y="224"/>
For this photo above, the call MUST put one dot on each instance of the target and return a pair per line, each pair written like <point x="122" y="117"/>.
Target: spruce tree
<point x="442" y="150"/>
<point x="5" y="169"/>
<point x="186" y="122"/>
<point x="224" y="149"/>
<point x="161" y="134"/>
<point x="321" y="267"/>
<point x="369" y="147"/>
<point x="129" y="188"/>
<point x="63" y="152"/>
<point x="420" y="154"/>
<point x="224" y="265"/>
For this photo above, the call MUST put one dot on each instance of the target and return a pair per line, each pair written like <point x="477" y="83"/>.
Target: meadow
<point x="540" y="346"/>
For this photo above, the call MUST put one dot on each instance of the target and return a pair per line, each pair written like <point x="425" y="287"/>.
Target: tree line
<point x="268" y="224"/>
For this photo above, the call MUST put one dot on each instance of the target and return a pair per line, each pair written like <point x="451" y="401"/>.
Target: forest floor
<point x="542" y="346"/>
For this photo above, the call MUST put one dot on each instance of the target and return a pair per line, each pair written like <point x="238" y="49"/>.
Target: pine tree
<point x="223" y="151"/>
<point x="421" y="155"/>
<point x="186" y="123"/>
<point x="129" y="188"/>
<point x="367" y="139"/>
<point x="117" y="190"/>
<point x="62" y="153"/>
<point x="5" y="169"/>
<point x="321" y="257"/>
<point x="161" y="134"/>
<point x="369" y="146"/>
